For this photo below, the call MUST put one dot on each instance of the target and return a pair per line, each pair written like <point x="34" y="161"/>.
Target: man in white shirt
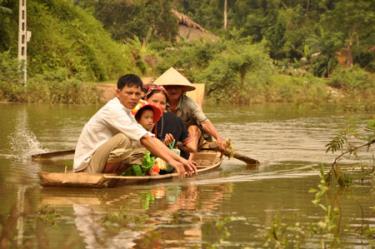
<point x="112" y="136"/>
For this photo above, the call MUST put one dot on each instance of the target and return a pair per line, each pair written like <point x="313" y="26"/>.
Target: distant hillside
<point x="66" y="40"/>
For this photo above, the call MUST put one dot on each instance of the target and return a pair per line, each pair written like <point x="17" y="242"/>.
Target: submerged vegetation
<point x="270" y="51"/>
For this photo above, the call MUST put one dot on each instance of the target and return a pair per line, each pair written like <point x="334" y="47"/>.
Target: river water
<point x="233" y="207"/>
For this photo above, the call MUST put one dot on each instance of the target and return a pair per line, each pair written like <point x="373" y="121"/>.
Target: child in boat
<point x="148" y="115"/>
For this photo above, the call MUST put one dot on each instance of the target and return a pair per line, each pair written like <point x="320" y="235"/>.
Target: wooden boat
<point x="207" y="160"/>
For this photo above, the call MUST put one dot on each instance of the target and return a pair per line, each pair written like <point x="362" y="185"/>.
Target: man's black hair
<point x="129" y="80"/>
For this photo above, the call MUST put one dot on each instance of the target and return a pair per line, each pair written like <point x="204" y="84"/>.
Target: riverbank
<point x="285" y="89"/>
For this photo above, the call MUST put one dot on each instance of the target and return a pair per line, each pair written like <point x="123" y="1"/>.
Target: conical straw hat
<point x="172" y="77"/>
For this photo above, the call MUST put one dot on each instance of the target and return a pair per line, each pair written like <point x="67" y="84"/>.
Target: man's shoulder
<point x="187" y="99"/>
<point x="111" y="104"/>
<point x="115" y="105"/>
<point x="112" y="110"/>
<point x="187" y="102"/>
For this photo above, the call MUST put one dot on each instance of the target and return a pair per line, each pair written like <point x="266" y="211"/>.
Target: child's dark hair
<point x="129" y="80"/>
<point x="141" y="111"/>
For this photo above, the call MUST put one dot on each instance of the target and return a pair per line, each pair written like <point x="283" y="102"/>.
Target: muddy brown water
<point x="232" y="207"/>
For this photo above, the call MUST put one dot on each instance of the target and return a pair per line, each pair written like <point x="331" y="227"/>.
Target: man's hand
<point x="179" y="167"/>
<point x="190" y="166"/>
<point x="184" y="167"/>
<point x="222" y="144"/>
<point x="210" y="129"/>
<point x="158" y="148"/>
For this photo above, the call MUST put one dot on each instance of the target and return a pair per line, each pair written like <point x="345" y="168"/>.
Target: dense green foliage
<point x="242" y="68"/>
<point x="291" y="29"/>
<point x="294" y="29"/>
<point x="51" y="87"/>
<point x="272" y="50"/>
<point x="70" y="40"/>
<point x="68" y="46"/>
<point x="65" y="39"/>
<point x="145" y="19"/>
<point x="351" y="79"/>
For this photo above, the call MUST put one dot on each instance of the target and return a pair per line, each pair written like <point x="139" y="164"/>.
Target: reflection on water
<point x="230" y="207"/>
<point x="20" y="209"/>
<point x="163" y="216"/>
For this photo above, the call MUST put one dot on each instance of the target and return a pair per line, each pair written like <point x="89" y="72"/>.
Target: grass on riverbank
<point x="39" y="91"/>
<point x="281" y="89"/>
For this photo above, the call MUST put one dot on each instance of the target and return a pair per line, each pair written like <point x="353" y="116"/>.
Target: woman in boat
<point x="170" y="127"/>
<point x="184" y="107"/>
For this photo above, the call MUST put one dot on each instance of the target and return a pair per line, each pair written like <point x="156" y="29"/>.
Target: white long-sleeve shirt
<point x="111" y="119"/>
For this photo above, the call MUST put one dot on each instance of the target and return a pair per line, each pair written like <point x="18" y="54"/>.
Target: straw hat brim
<point x="172" y="77"/>
<point x="186" y="88"/>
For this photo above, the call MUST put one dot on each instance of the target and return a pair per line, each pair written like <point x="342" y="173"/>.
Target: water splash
<point x="23" y="142"/>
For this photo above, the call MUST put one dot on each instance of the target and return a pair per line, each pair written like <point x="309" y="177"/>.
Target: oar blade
<point x="246" y="159"/>
<point x="53" y="154"/>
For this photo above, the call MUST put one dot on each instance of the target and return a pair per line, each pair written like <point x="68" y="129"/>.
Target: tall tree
<point x="354" y="21"/>
<point x="208" y="13"/>
<point x="8" y="24"/>
<point x="141" y="18"/>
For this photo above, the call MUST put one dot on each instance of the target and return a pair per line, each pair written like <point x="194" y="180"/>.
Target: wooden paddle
<point x="208" y="146"/>
<point x="49" y="155"/>
<point x="229" y="152"/>
<point x="246" y="159"/>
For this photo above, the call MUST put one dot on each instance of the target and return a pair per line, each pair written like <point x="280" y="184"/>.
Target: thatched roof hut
<point x="190" y="30"/>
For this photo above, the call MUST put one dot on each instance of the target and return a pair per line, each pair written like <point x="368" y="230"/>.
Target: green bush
<point x="66" y="36"/>
<point x="65" y="92"/>
<point x="69" y="37"/>
<point x="224" y="66"/>
<point x="68" y="46"/>
<point x="52" y="87"/>
<point x="146" y="19"/>
<point x="189" y="57"/>
<point x="353" y="78"/>
<point x="59" y="89"/>
<point x="240" y="72"/>
<point x="8" y="68"/>
<point x="299" y="89"/>
<point x="143" y="56"/>
<point x="9" y="74"/>
<point x="365" y="59"/>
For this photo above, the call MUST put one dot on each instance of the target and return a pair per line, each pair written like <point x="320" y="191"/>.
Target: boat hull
<point x="206" y="161"/>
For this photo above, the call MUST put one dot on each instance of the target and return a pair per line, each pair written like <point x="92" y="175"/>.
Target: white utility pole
<point x="225" y="14"/>
<point x="23" y="38"/>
